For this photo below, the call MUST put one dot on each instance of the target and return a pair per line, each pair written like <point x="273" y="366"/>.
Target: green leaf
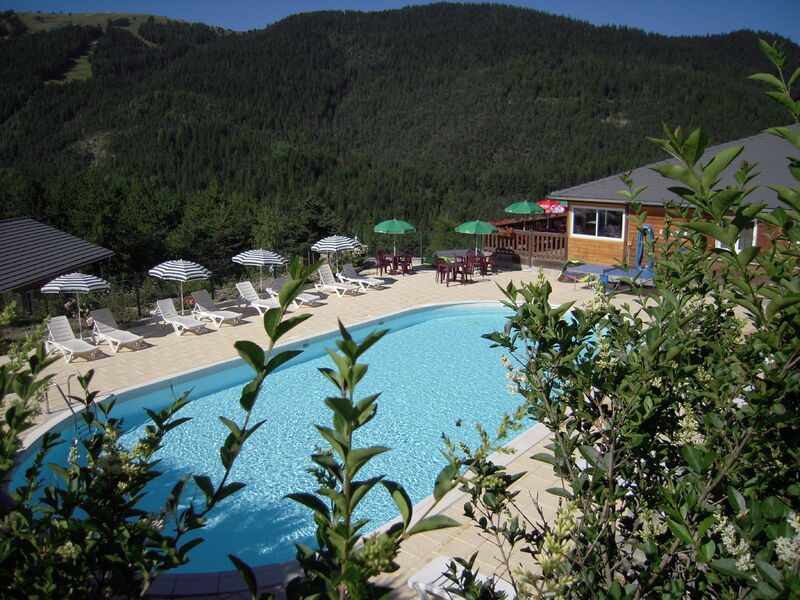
<point x="559" y="491"/>
<point x="680" y="531"/>
<point x="279" y="359"/>
<point x="775" y="56"/>
<point x="359" y="489"/>
<point x="727" y="566"/>
<point x="205" y="485"/>
<point x="312" y="502"/>
<point x="770" y="573"/>
<point x="697" y="460"/>
<point x="766" y="78"/>
<point x="780" y="304"/>
<point x="445" y="481"/>
<point x="290" y="290"/>
<point x="736" y="499"/>
<point x="251" y="353"/>
<point x="707" y="551"/>
<point x="591" y="455"/>
<point x="718" y="164"/>
<point x="432" y="524"/>
<point x="229" y="489"/>
<point x="401" y="499"/>
<point x="246" y="573"/>
<point x="357" y="458"/>
<point x="545" y="458"/>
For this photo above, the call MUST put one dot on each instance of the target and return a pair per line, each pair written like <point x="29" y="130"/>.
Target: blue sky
<point x="671" y="17"/>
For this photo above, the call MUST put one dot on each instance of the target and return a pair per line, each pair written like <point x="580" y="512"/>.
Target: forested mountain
<point x="192" y="141"/>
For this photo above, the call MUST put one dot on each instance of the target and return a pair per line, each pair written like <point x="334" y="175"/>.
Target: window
<point x="747" y="238"/>
<point x="598" y="222"/>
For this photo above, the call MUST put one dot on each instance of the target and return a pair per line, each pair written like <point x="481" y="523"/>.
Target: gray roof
<point x="32" y="252"/>
<point x="769" y="152"/>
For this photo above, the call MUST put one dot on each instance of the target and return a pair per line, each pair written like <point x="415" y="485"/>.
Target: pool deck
<point x="169" y="355"/>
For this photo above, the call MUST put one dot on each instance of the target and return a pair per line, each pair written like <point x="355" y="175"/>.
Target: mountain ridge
<point x="434" y="113"/>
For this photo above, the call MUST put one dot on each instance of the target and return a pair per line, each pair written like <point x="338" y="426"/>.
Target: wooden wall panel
<point x="593" y="250"/>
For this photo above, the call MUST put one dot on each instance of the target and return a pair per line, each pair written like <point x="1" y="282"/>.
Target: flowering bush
<point x="674" y="417"/>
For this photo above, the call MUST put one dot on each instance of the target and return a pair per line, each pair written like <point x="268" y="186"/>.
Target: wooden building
<point x="32" y="253"/>
<point x="600" y="224"/>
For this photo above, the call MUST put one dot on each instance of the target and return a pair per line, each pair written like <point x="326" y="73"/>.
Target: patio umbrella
<point x="335" y="244"/>
<point x="259" y="258"/>
<point x="394" y="227"/>
<point x="524" y="208"/>
<point x="477" y="228"/>
<point x="180" y="270"/>
<point x="551" y="207"/>
<point x="76" y="283"/>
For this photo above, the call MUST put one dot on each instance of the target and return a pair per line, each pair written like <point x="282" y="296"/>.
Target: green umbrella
<point x="524" y="208"/>
<point x="477" y="228"/>
<point x="394" y="227"/>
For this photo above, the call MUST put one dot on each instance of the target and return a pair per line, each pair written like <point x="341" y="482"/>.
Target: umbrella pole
<point x="394" y="245"/>
<point x="183" y="310"/>
<point x="80" y="325"/>
<point x="261" y="278"/>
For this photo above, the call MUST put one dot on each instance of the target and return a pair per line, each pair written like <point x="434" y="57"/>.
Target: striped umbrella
<point x="76" y="283"/>
<point x="180" y="270"/>
<point x="259" y="258"/>
<point x="335" y="244"/>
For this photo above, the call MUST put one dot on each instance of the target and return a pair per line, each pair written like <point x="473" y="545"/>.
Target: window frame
<point x="738" y="248"/>
<point x="596" y="210"/>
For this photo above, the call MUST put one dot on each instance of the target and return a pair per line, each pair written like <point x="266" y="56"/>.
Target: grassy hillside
<point x="190" y="140"/>
<point x="41" y="21"/>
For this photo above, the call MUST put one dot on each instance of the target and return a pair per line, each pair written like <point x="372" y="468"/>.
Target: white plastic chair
<point x="350" y="275"/>
<point x="63" y="340"/>
<point x="205" y="308"/>
<point x="250" y="297"/>
<point x="302" y="298"/>
<point x="105" y="329"/>
<point x="327" y="283"/>
<point x="179" y="323"/>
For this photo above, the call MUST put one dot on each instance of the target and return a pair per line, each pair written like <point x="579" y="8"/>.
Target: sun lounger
<point x="327" y="283"/>
<point x="584" y="272"/>
<point x="205" y="308"/>
<point x="63" y="340"/>
<point x="250" y="297"/>
<point x="105" y="329"/>
<point x="430" y="584"/>
<point x="302" y="298"/>
<point x="350" y="275"/>
<point x="638" y="276"/>
<point x="179" y="323"/>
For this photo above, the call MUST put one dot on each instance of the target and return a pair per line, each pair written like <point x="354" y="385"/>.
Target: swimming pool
<point x="436" y="374"/>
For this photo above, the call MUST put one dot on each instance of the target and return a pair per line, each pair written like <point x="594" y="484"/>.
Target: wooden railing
<point x="528" y="244"/>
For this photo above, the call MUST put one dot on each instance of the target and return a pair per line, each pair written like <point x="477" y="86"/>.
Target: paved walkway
<point x="168" y="355"/>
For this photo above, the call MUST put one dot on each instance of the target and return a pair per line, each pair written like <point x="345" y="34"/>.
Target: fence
<point x="528" y="244"/>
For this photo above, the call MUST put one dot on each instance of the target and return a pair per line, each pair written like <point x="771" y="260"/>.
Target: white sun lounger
<point x="205" y="308"/>
<point x="63" y="340"/>
<point x="302" y="298"/>
<point x="250" y="297"/>
<point x="350" y="275"/>
<point x="327" y="283"/>
<point x="179" y="323"/>
<point x="430" y="583"/>
<point x="105" y="329"/>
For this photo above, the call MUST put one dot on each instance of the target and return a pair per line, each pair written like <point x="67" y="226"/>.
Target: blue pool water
<point x="433" y="370"/>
